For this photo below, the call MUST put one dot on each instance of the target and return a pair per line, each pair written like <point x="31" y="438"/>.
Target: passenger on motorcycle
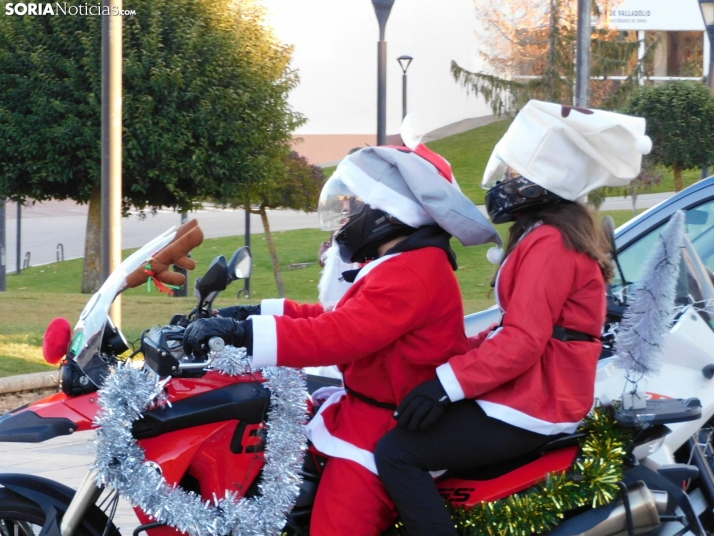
<point x="395" y="209"/>
<point x="532" y="377"/>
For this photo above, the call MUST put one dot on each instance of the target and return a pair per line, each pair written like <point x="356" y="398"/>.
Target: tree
<point x="297" y="188"/>
<point x="205" y="110"/>
<point x="680" y="122"/>
<point x="530" y="53"/>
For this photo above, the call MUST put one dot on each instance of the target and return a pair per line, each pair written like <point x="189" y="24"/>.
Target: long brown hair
<point x="578" y="226"/>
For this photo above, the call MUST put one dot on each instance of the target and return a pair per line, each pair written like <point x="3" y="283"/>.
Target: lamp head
<point x="707" y="7"/>
<point x="382" y="8"/>
<point x="404" y="62"/>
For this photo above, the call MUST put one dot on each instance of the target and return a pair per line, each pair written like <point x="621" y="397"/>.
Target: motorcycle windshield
<point x="87" y="335"/>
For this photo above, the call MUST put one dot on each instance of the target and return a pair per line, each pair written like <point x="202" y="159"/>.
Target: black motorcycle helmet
<point x="363" y="234"/>
<point x="510" y="193"/>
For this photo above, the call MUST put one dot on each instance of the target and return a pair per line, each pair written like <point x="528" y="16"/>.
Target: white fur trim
<point x="330" y="371"/>
<point x="449" y="382"/>
<point x="379" y="196"/>
<point x="325" y="442"/>
<point x="273" y="306"/>
<point x="265" y="341"/>
<point x="372" y="265"/>
<point x="332" y="287"/>
<point x="522" y="420"/>
<point x="495" y="255"/>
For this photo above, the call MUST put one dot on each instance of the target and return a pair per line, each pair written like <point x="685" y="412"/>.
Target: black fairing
<point x="28" y="427"/>
<point x="246" y="402"/>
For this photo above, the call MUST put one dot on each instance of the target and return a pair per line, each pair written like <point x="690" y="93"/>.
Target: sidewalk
<point x="64" y="459"/>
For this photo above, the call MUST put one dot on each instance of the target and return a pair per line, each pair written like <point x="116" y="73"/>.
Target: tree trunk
<point x="92" y="271"/>
<point x="273" y="252"/>
<point x="678" y="181"/>
<point x="633" y="196"/>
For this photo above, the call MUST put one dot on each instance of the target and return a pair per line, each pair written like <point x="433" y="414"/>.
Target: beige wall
<point x="328" y="149"/>
<point x="325" y="148"/>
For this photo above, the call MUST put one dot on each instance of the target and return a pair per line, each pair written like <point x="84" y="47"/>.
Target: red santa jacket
<point x="402" y="317"/>
<point x="519" y="373"/>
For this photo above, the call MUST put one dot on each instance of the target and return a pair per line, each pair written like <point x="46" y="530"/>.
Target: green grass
<point x="42" y="293"/>
<point x="468" y="154"/>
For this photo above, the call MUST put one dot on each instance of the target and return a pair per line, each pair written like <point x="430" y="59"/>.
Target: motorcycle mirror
<point x="215" y="279"/>
<point x="241" y="264"/>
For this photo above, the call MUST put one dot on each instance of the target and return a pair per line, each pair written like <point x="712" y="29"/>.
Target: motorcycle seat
<point x="494" y="482"/>
<point x="316" y="382"/>
<point x="491" y="471"/>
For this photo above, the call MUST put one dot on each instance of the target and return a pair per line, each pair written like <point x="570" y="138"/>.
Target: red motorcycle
<point x="190" y="441"/>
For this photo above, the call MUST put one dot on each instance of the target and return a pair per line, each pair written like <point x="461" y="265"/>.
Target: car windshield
<point x="694" y="285"/>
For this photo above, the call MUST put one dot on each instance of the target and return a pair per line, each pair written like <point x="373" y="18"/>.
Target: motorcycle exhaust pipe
<point x="646" y="507"/>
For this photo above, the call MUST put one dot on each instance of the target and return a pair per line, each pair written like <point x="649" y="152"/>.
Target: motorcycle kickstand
<point x="86" y="495"/>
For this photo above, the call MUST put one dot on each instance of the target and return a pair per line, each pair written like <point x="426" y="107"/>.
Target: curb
<point x="28" y="382"/>
<point x="16" y="391"/>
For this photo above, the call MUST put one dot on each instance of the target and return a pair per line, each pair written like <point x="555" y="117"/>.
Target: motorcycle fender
<point x="53" y="498"/>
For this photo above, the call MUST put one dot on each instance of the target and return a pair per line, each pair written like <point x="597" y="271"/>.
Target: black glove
<point x="239" y="312"/>
<point x="233" y="332"/>
<point x="422" y="406"/>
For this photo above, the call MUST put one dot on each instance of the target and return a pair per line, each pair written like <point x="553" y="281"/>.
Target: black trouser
<point x="463" y="437"/>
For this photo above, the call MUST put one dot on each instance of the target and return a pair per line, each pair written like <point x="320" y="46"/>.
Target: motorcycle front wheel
<point x="22" y="517"/>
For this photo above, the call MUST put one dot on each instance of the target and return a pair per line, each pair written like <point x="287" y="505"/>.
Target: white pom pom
<point x="643" y="145"/>
<point x="408" y="132"/>
<point x="495" y="255"/>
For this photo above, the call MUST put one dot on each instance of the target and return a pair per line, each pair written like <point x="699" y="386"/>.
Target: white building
<point x="683" y="46"/>
<point x="336" y="55"/>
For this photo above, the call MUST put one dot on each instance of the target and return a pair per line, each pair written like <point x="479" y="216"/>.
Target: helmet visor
<point x="337" y="204"/>
<point x="498" y="171"/>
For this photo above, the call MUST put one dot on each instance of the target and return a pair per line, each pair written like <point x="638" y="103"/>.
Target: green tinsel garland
<point x="591" y="481"/>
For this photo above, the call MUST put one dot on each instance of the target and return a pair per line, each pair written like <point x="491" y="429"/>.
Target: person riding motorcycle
<point x="531" y="377"/>
<point x="399" y="320"/>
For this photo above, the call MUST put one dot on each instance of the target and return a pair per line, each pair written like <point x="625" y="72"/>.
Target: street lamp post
<point x="404" y="62"/>
<point x="3" y="272"/>
<point x="111" y="145"/>
<point x="182" y="291"/>
<point x="18" y="239"/>
<point x="382" y="8"/>
<point x="582" y="59"/>
<point x="707" y="7"/>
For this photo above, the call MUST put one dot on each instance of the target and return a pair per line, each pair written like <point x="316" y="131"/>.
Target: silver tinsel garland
<point x="121" y="463"/>
<point x="650" y="311"/>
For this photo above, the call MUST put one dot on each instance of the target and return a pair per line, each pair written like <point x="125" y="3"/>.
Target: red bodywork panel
<point x="469" y="493"/>
<point x="229" y="455"/>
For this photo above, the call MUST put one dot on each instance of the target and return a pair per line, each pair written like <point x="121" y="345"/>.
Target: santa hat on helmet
<point x="417" y="187"/>
<point x="571" y="151"/>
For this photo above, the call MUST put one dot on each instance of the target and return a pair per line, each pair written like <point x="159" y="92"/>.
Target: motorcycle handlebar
<point x="216" y="344"/>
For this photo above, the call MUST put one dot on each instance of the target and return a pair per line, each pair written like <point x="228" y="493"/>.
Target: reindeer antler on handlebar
<point x="188" y="236"/>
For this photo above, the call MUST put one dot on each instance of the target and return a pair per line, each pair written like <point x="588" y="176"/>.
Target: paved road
<point x="45" y="225"/>
<point x="63" y="459"/>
